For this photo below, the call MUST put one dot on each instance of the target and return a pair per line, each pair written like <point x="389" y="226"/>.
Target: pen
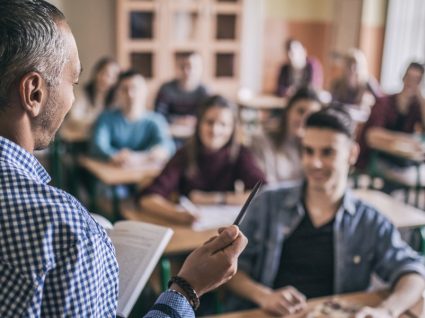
<point x="241" y="214"/>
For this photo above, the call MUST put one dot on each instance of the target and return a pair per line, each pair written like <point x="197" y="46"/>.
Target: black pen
<point x="241" y="214"/>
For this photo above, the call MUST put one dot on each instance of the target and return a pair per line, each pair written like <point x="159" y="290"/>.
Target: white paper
<point x="215" y="216"/>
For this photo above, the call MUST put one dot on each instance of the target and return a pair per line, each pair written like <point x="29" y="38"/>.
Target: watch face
<point x="334" y="308"/>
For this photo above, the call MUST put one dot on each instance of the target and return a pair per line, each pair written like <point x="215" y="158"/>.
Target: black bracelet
<point x="187" y="289"/>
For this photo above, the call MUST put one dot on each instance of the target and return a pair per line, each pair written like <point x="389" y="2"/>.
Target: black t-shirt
<point x="307" y="259"/>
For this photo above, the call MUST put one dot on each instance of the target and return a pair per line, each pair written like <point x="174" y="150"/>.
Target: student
<point x="299" y="71"/>
<point x="207" y="168"/>
<point x="179" y="99"/>
<point x="356" y="86"/>
<point x="129" y="134"/>
<point x="278" y="152"/>
<point x="317" y="239"/>
<point x="395" y="119"/>
<point x="55" y="260"/>
<point x="95" y="96"/>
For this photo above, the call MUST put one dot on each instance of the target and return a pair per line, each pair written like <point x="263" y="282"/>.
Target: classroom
<point x="212" y="158"/>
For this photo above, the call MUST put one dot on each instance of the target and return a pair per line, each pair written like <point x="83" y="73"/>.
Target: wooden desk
<point x="365" y="299"/>
<point x="184" y="240"/>
<point x="399" y="213"/>
<point x="114" y="176"/>
<point x="69" y="135"/>
<point x="74" y="134"/>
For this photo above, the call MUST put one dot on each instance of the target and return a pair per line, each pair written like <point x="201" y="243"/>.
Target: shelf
<point x="224" y="65"/>
<point x="226" y="27"/>
<point x="143" y="63"/>
<point x="142" y="24"/>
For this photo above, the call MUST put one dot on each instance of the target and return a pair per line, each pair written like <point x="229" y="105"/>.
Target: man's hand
<point x="283" y="301"/>
<point x="214" y="263"/>
<point x="370" y="312"/>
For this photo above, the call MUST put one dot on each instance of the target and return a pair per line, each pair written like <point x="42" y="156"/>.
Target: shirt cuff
<point x="171" y="304"/>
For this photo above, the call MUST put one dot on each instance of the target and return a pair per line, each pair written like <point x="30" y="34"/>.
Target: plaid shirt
<point x="55" y="260"/>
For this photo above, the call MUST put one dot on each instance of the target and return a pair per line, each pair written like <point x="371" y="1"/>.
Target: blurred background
<point x="242" y="41"/>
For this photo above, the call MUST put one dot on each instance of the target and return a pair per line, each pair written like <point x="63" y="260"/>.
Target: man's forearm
<point x="407" y="292"/>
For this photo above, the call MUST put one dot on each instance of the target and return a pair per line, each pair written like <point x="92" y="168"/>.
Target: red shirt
<point x="385" y="114"/>
<point x="217" y="171"/>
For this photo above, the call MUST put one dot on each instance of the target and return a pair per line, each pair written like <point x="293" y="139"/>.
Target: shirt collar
<point x="348" y="201"/>
<point x="19" y="157"/>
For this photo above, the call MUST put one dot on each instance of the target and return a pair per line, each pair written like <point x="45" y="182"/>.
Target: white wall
<point x="93" y="25"/>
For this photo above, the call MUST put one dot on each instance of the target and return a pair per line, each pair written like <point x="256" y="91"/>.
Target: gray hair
<point x="30" y="40"/>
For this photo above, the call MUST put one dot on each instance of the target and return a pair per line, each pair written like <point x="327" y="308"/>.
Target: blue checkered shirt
<point x="55" y="260"/>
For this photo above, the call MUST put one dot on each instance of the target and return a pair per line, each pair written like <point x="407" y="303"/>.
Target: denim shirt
<point x="365" y="242"/>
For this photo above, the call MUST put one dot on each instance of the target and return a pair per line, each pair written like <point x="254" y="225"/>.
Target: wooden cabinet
<point x="152" y="33"/>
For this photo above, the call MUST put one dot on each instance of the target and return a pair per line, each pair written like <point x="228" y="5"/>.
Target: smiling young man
<point x="317" y="239"/>
<point x="55" y="260"/>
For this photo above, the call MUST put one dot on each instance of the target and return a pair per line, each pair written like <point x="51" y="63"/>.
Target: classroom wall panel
<point x="372" y="44"/>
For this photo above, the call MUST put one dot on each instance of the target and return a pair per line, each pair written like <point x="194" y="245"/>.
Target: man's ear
<point x="33" y="93"/>
<point x="354" y="153"/>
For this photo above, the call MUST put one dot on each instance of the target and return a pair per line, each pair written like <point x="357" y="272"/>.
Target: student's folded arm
<point x="378" y="137"/>
<point x="234" y="198"/>
<point x="159" y="206"/>
<point x="406" y="293"/>
<point x="157" y="153"/>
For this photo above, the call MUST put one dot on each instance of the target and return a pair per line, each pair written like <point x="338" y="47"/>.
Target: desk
<point x="114" y="176"/>
<point x="399" y="213"/>
<point x="254" y="112"/>
<point x="73" y="134"/>
<point x="401" y="149"/>
<point x="366" y="299"/>
<point x="184" y="239"/>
